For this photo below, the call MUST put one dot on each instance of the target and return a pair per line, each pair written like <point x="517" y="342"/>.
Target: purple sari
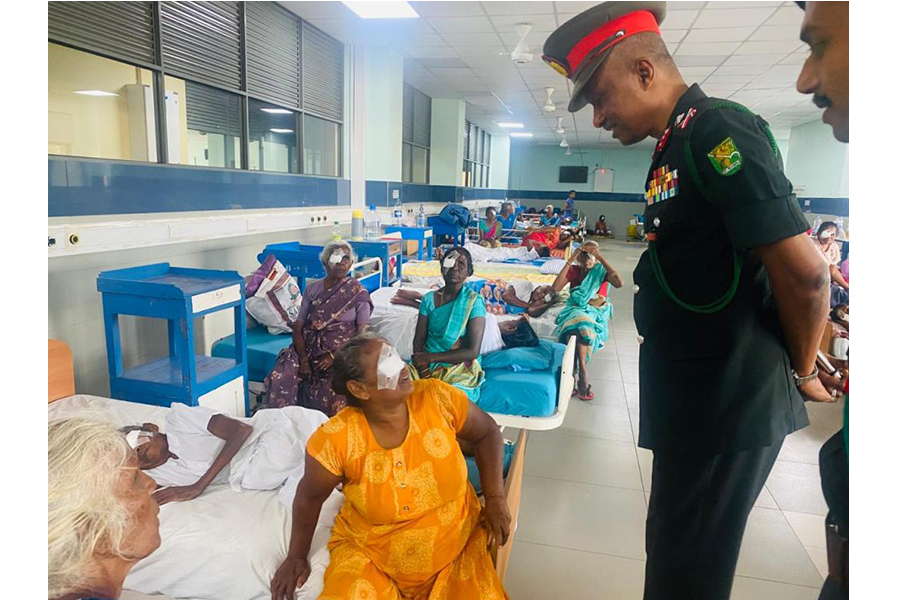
<point x="332" y="318"/>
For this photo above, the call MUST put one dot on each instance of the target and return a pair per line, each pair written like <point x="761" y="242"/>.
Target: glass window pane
<point x="98" y="107"/>
<point x="420" y="165"/>
<point x="203" y="125"/>
<point x="407" y="163"/>
<point x="321" y="147"/>
<point x="274" y="138"/>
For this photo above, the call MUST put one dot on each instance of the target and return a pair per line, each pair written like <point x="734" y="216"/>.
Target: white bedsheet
<point x="482" y="254"/>
<point x="397" y="324"/>
<point x="222" y="545"/>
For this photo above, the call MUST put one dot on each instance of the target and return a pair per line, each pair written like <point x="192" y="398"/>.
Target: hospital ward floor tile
<point x="584" y="517"/>
<point x="543" y="572"/>
<point x="586" y="490"/>
<point x="590" y="460"/>
<point x="604" y="422"/>
<point x="772" y="551"/>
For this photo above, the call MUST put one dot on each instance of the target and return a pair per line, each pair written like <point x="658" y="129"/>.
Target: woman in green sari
<point x="586" y="316"/>
<point x="450" y="329"/>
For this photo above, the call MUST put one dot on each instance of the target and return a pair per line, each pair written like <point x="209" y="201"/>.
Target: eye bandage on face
<point x="390" y="366"/>
<point x="136" y="438"/>
<point x="450" y="260"/>
<point x="548" y="297"/>
<point x="336" y="257"/>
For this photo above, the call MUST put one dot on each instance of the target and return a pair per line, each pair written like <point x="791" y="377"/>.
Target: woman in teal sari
<point x="490" y="230"/>
<point x="450" y="329"/>
<point x="586" y="316"/>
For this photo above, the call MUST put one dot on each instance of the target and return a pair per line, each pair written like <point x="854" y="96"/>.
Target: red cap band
<point x="605" y="37"/>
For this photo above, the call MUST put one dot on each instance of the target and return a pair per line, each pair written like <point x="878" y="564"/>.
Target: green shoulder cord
<point x="721" y="303"/>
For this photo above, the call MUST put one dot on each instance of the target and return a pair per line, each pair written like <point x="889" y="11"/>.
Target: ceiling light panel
<point x="382" y="10"/>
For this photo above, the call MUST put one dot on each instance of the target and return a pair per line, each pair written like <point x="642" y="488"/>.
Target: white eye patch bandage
<point x="136" y="438"/>
<point x="336" y="257"/>
<point x="390" y="365"/>
<point x="450" y="260"/>
<point x="548" y="297"/>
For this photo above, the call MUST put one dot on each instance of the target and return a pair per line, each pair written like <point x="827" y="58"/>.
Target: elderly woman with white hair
<point x="101" y="516"/>
<point x="334" y="310"/>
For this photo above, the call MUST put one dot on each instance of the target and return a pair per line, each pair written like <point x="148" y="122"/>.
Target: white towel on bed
<point x="482" y="254"/>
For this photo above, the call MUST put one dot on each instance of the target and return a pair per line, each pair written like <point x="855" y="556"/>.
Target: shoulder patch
<point x="726" y="159"/>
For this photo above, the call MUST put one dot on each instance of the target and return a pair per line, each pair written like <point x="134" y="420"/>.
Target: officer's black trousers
<point x="835" y="473"/>
<point x="699" y="506"/>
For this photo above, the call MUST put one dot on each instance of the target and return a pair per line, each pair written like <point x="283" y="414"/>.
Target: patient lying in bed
<point x="201" y="447"/>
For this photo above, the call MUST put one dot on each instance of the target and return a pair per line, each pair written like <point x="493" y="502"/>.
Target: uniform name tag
<point x="663" y="184"/>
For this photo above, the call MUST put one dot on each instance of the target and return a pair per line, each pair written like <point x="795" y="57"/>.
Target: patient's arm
<point x="837" y="278"/>
<point x="312" y="491"/>
<point x="469" y="348"/>
<point x="235" y="434"/>
<point x="407" y="298"/>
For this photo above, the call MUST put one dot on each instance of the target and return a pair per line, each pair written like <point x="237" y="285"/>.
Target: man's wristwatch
<point x="801" y="381"/>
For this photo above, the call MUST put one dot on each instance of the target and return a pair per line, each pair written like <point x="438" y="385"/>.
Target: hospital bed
<point x="428" y="273"/>
<point x="197" y="559"/>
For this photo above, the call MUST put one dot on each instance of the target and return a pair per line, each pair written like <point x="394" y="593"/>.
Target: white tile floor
<point x="584" y="497"/>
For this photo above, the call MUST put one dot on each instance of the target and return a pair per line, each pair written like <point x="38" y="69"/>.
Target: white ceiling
<point x="749" y="52"/>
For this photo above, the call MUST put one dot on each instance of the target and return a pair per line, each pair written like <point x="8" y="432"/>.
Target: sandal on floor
<point x="587" y="395"/>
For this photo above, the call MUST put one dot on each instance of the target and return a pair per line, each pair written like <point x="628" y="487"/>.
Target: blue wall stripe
<point x="92" y="187"/>
<point x="78" y="186"/>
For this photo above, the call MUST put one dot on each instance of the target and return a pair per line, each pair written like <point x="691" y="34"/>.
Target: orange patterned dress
<point x="409" y="527"/>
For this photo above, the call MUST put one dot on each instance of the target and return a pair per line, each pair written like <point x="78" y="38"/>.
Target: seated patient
<point x="202" y="447"/>
<point x="101" y="516"/>
<point x="450" y="328"/>
<point x="518" y="296"/>
<point x="586" y="315"/>
<point x="333" y="310"/>
<point x="490" y="230"/>
<point x="411" y="525"/>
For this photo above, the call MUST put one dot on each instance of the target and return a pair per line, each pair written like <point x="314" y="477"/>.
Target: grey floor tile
<point x="603" y="370"/>
<point x="587" y="460"/>
<point x="546" y="572"/>
<point x="604" y="422"/>
<point x="810" y="529"/>
<point x="746" y="588"/>
<point x="645" y="461"/>
<point x="608" y="393"/>
<point x="819" y="556"/>
<point x="582" y="517"/>
<point x="771" y="551"/>
<point x="635" y="415"/>
<point x="827" y="416"/>
<point x="797" y="487"/>
<point x="629" y="371"/>
<point x="632" y="395"/>
<point x="803" y="446"/>
<point x="765" y="499"/>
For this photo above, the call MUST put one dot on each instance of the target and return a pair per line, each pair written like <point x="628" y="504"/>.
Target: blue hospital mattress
<point x="523" y="393"/>
<point x="262" y="350"/>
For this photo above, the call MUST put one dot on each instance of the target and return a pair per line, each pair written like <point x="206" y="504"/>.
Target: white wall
<point x="448" y="120"/>
<point x="818" y="165"/>
<point x="536" y="167"/>
<point x="75" y="313"/>
<point x="384" y="114"/>
<point x="499" y="173"/>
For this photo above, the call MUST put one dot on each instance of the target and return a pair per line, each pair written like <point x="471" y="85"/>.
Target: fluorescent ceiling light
<point x="520" y="134"/>
<point x="511" y="125"/>
<point x="276" y="111"/>
<point x="276" y="130"/>
<point x="382" y="10"/>
<point x="99" y="93"/>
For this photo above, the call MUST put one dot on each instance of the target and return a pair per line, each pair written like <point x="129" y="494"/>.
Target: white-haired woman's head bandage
<point x="334" y="248"/>
<point x="87" y="515"/>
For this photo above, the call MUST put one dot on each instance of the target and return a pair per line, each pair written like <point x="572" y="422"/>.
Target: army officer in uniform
<point x="730" y="297"/>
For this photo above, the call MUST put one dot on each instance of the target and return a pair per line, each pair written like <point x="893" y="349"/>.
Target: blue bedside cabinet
<point x="179" y="296"/>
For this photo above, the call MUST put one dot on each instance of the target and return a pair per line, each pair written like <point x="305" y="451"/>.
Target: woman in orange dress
<point x="411" y="526"/>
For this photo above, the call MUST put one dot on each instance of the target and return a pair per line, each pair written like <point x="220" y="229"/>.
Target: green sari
<point x="589" y="323"/>
<point x="446" y="326"/>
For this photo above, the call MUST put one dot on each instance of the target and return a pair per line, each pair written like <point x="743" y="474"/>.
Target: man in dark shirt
<point x="730" y="297"/>
<point x="826" y="75"/>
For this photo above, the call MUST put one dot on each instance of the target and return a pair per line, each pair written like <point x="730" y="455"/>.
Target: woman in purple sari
<point x="333" y="311"/>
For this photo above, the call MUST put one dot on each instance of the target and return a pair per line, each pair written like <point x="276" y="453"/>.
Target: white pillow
<point x="553" y="267"/>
